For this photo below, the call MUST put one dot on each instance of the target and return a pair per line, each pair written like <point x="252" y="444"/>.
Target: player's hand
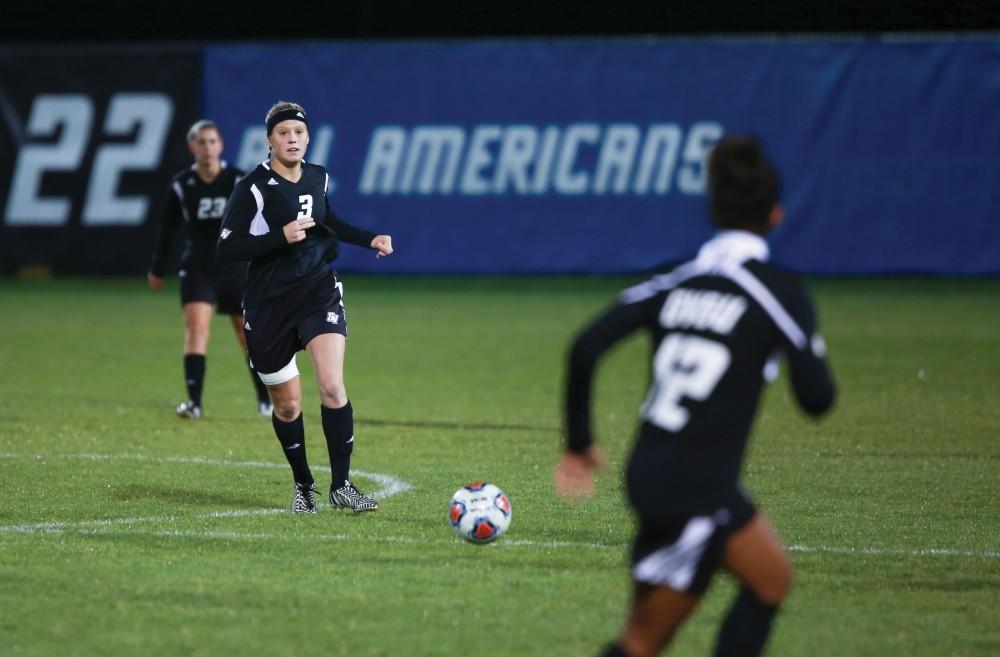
<point x="295" y="231"/>
<point x="383" y="243"/>
<point x="574" y="474"/>
<point x="155" y="282"/>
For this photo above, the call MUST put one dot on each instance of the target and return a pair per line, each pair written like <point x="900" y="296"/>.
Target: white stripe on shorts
<point x="286" y="373"/>
<point x="675" y="565"/>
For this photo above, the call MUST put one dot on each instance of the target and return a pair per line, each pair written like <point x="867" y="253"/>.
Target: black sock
<point x="746" y="627"/>
<point x="262" y="395"/>
<point x="292" y="436"/>
<point x="338" y="426"/>
<point x="194" y="376"/>
<point x="614" y="650"/>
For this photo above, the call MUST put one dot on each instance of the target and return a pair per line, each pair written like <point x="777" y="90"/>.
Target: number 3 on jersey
<point x="686" y="366"/>
<point x="306" y="210"/>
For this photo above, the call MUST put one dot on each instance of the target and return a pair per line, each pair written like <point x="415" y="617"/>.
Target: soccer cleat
<point x="349" y="497"/>
<point x="189" y="410"/>
<point x="304" y="498"/>
<point x="265" y="408"/>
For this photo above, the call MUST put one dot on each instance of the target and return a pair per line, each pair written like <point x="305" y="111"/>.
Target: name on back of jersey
<point x="702" y="310"/>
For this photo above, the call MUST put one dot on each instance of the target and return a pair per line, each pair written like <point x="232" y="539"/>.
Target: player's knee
<point x="333" y="394"/>
<point x="196" y="335"/>
<point x="642" y="644"/>
<point x="287" y="409"/>
<point x="773" y="590"/>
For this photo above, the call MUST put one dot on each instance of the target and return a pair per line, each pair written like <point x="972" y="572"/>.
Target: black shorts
<point x="222" y="289"/>
<point x="280" y="327"/>
<point x="682" y="552"/>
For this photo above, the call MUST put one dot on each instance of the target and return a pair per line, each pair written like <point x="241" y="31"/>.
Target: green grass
<point x="455" y="380"/>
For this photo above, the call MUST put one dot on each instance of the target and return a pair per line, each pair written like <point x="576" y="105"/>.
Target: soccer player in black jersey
<point x="279" y="219"/>
<point x="197" y="200"/>
<point x="718" y="325"/>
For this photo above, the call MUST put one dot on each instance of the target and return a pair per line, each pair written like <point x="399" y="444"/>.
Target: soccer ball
<point x="479" y="512"/>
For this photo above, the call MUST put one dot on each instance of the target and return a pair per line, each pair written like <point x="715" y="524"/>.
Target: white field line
<point x="390" y="486"/>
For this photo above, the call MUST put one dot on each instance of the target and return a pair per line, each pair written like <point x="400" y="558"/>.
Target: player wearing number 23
<point x="718" y="325"/>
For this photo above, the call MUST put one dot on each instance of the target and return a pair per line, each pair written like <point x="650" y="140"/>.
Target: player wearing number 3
<point x="718" y="324"/>
<point x="279" y="219"/>
<point x="197" y="199"/>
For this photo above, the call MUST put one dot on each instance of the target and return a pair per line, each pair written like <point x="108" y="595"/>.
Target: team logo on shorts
<point x="332" y="318"/>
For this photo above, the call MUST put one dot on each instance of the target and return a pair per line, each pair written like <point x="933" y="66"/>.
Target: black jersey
<point x="199" y="206"/>
<point x="262" y="203"/>
<point x="718" y="325"/>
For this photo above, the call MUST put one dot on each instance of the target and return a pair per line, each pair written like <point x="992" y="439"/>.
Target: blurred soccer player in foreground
<point x="718" y="324"/>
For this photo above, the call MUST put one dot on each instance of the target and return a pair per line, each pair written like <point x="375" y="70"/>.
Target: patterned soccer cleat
<point x="304" y="498"/>
<point x="349" y="497"/>
<point x="266" y="409"/>
<point x="189" y="410"/>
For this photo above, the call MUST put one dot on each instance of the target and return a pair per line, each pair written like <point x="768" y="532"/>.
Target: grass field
<point x="125" y="531"/>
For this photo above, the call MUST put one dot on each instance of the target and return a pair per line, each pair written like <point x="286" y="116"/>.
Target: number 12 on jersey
<point x="685" y="366"/>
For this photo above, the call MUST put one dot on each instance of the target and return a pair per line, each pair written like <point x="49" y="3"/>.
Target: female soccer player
<point x="279" y="219"/>
<point x="718" y="324"/>
<point x="197" y="199"/>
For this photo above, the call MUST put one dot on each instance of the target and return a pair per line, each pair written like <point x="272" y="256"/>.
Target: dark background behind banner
<point x="136" y="85"/>
<point x="887" y="146"/>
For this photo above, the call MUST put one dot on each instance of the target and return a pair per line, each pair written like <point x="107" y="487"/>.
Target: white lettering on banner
<point x="149" y="115"/>
<point x="694" y="173"/>
<point x="617" y="156"/>
<point x="427" y="147"/>
<point x="382" y="164"/>
<point x="578" y="159"/>
<point x="665" y="138"/>
<point x="567" y="181"/>
<point x="515" y="158"/>
<point x="479" y="158"/>
<point x="74" y="114"/>
<point x="71" y="116"/>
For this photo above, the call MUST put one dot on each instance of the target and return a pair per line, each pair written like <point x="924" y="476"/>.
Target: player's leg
<point x="197" y="325"/>
<point x="673" y="559"/>
<point x="656" y="614"/>
<point x="272" y="343"/>
<point x="755" y="556"/>
<point x="327" y="353"/>
<point x="264" y="406"/>
<point x="290" y="431"/>
<point x="324" y="333"/>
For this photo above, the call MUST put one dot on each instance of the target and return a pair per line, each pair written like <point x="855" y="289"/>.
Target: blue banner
<point x="588" y="156"/>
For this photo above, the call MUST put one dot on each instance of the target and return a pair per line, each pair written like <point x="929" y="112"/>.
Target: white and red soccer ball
<point x="479" y="512"/>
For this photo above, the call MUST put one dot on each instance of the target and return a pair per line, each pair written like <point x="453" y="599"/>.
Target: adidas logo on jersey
<point x="332" y="318"/>
<point x="225" y="233"/>
<point x="299" y="114"/>
<point x="246" y="326"/>
<point x="272" y="181"/>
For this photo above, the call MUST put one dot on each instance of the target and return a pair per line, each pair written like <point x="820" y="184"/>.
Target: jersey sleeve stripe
<point x="657" y="284"/>
<point x="180" y="195"/>
<point x="769" y="303"/>
<point x="259" y="225"/>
